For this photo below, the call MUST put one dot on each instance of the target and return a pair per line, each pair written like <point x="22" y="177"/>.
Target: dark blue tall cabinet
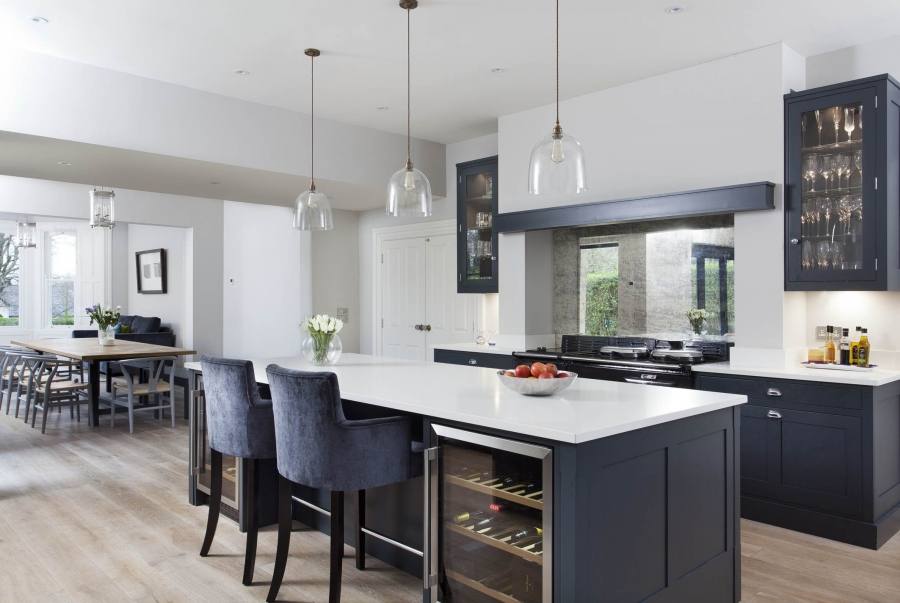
<point x="476" y="209"/>
<point x="842" y="187"/>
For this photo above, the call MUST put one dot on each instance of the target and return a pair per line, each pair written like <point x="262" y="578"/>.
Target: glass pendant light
<point x="409" y="191"/>
<point x="312" y="209"/>
<point x="557" y="161"/>
<point x="103" y="208"/>
<point x="26" y="234"/>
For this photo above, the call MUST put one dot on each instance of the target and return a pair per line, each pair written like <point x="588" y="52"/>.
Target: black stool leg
<point x="337" y="546"/>
<point x="252" y="524"/>
<point x="215" y="500"/>
<point x="284" y="536"/>
<point x="360" y="523"/>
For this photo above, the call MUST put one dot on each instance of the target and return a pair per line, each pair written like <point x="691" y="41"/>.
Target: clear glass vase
<point x="107" y="335"/>
<point x="322" y="349"/>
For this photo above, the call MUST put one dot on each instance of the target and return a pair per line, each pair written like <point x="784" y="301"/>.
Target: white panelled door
<point x="419" y="302"/>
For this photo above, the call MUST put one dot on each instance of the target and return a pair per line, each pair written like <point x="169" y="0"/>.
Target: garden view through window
<point x="600" y="288"/>
<point x="61" y="247"/>
<point x="9" y="280"/>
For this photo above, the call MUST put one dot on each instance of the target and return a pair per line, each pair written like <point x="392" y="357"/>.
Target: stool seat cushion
<point x="319" y="447"/>
<point x="239" y="421"/>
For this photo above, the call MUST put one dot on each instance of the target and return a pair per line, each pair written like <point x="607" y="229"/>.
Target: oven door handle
<point x="646" y="382"/>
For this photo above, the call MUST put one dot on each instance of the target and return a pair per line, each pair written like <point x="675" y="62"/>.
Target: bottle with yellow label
<point x="854" y="347"/>
<point x="829" y="345"/>
<point x="864" y="352"/>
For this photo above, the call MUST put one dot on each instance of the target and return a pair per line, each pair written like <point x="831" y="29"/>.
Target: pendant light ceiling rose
<point x="409" y="4"/>
<point x="312" y="209"/>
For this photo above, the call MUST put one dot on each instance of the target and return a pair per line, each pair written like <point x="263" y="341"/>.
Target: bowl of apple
<point x="537" y="379"/>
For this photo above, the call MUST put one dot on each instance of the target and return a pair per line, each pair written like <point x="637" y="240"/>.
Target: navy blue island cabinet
<point x="821" y="458"/>
<point x="842" y="187"/>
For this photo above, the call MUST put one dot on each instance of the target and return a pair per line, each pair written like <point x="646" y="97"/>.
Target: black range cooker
<point x="630" y="359"/>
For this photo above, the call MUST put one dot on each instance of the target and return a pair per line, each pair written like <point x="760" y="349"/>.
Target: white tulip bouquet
<point x="322" y="328"/>
<point x="697" y="317"/>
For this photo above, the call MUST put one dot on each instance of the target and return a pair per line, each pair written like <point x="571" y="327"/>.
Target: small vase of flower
<point x="322" y="345"/>
<point x="105" y="319"/>
<point x="697" y="317"/>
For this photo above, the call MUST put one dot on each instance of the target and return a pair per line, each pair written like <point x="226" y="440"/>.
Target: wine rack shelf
<point x="497" y="544"/>
<point x="481" y="588"/>
<point x="496" y="492"/>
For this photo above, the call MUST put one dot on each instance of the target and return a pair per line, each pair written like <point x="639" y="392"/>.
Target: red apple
<point x="562" y="375"/>
<point x="545" y="375"/>
<point x="537" y="368"/>
<point x="523" y="370"/>
<point x="551" y="368"/>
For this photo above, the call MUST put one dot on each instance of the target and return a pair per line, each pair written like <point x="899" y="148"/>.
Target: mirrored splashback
<point x="645" y="278"/>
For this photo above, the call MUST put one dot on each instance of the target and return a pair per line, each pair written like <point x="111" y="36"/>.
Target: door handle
<point x="419" y="327"/>
<point x="795" y="241"/>
<point x="473" y="362"/>
<point x="773" y="392"/>
<point x="427" y="327"/>
<point x="773" y="414"/>
<point x="430" y="524"/>
<point x="645" y="382"/>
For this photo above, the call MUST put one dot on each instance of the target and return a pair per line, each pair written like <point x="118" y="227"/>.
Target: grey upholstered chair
<point x="319" y="447"/>
<point x="240" y="425"/>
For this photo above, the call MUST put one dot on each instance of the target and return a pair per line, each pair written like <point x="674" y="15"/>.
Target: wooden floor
<point x="101" y="515"/>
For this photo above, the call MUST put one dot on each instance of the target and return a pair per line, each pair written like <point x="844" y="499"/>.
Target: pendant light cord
<point x="557" y="63"/>
<point x="408" y="93"/>
<point x="312" y="123"/>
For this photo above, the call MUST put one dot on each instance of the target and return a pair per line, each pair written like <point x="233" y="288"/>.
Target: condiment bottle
<point x="854" y="347"/>
<point x="829" y="345"/>
<point x="864" y="349"/>
<point x="845" y="347"/>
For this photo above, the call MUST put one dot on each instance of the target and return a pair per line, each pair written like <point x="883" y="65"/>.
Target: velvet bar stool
<point x="318" y="447"/>
<point x="239" y="424"/>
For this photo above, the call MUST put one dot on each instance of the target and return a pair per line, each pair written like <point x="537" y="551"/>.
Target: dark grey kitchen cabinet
<point x="476" y="211"/>
<point x="821" y="458"/>
<point x="842" y="187"/>
<point x="484" y="359"/>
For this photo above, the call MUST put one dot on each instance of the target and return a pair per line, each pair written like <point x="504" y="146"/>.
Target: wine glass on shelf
<point x="819" y="125"/>
<point x="825" y="167"/>
<point x="823" y="255"/>
<point x="807" y="255"/>
<point x="811" y="170"/>
<point x="843" y="168"/>
<point x="837" y="256"/>
<point x="849" y="123"/>
<point x="859" y="119"/>
<point x="836" y="117"/>
<point x="857" y="161"/>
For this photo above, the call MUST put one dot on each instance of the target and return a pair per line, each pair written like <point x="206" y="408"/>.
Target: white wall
<point x="174" y="307"/>
<point x="715" y="124"/>
<point x="335" y="274"/>
<point x="442" y="209"/>
<point x="266" y="287"/>
<point x="871" y="58"/>
<point x="204" y="216"/>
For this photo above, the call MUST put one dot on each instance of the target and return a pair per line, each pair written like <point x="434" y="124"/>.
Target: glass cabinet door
<point x="831" y="188"/>
<point x="477" y="207"/>
<point x="202" y="469"/>
<point x="493" y="520"/>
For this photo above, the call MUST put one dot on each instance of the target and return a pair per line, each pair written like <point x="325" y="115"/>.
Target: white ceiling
<point x="456" y="43"/>
<point x="37" y="157"/>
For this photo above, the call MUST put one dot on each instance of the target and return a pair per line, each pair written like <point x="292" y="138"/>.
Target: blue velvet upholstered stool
<point x="318" y="447"/>
<point x="240" y="424"/>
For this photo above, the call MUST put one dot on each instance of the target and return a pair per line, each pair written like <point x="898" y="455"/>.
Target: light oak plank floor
<point x="101" y="515"/>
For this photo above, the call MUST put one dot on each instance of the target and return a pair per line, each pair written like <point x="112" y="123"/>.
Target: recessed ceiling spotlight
<point x="498" y="69"/>
<point x="64" y="163"/>
<point x="215" y="182"/>
<point x="241" y="72"/>
<point x="41" y="20"/>
<point x="382" y="108"/>
<point x="676" y="9"/>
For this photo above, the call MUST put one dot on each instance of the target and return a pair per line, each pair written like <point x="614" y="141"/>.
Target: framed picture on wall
<point x="151" y="271"/>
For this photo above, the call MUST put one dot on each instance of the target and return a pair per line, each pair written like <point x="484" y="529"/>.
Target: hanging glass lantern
<point x="103" y="208"/>
<point x="26" y="235"/>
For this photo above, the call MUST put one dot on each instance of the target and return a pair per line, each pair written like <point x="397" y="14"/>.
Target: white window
<point x="60" y="264"/>
<point x="10" y="272"/>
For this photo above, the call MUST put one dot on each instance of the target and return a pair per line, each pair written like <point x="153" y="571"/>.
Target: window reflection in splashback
<point x="643" y="278"/>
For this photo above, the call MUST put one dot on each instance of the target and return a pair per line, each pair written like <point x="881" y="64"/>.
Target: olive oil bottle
<point x="864" y="352"/>
<point x="829" y="345"/>
<point x="854" y="348"/>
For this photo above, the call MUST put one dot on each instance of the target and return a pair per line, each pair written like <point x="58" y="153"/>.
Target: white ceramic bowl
<point x="536" y="387"/>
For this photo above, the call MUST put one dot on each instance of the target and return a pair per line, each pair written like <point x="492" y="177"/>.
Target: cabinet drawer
<point x="747" y="386"/>
<point x="806" y="393"/>
<point x="497" y="361"/>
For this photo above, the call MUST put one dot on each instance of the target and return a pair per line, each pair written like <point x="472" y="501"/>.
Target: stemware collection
<point x="831" y="218"/>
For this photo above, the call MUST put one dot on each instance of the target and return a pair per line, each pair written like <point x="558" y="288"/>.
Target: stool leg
<point x="360" y="523"/>
<point x="337" y="546"/>
<point x="285" y="516"/>
<point x="252" y="526"/>
<point x="215" y="500"/>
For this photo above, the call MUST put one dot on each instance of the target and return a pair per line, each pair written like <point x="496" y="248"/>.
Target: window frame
<point x="46" y="312"/>
<point x="700" y="252"/>
<point x="593" y="242"/>
<point x="9" y="228"/>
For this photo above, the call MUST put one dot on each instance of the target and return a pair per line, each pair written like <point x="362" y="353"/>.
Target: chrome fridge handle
<point x="430" y="525"/>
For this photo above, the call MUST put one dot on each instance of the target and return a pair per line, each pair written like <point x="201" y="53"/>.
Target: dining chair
<point x="159" y="385"/>
<point x="16" y="371"/>
<point x="51" y="386"/>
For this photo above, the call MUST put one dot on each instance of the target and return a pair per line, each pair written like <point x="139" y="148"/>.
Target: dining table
<point x="89" y="351"/>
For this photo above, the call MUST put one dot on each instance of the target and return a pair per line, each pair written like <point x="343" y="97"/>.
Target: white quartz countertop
<point x="587" y="410"/>
<point x="872" y="378"/>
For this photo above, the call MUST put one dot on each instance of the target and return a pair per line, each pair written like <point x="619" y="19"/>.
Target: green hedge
<point x="602" y="304"/>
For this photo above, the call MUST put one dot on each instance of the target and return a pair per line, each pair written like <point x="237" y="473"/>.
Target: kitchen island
<point x="632" y="490"/>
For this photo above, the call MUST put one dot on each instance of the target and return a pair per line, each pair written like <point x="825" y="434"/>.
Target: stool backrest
<point x="239" y="421"/>
<point x="307" y="410"/>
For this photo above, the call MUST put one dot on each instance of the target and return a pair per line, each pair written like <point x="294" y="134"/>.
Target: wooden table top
<point x="89" y="348"/>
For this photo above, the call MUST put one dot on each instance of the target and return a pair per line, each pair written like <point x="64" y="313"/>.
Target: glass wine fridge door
<point x="490" y="520"/>
<point x="201" y="463"/>
<point x="832" y="205"/>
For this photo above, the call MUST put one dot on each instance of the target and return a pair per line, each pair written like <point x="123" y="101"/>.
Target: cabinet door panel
<point x="821" y="461"/>
<point x="477" y="258"/>
<point x="755" y="445"/>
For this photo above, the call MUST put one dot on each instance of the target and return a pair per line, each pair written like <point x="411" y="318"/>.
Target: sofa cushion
<point x="145" y="324"/>
<point x="126" y="320"/>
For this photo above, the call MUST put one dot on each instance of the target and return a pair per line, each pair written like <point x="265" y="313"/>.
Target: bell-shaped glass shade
<point x="103" y="209"/>
<point x="26" y="234"/>
<point x="409" y="194"/>
<point x="557" y="166"/>
<point x="312" y="211"/>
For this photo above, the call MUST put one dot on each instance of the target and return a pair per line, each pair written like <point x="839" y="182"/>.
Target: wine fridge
<point x="489" y="516"/>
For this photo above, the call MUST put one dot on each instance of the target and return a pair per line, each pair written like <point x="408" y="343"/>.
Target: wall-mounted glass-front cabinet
<point x="476" y="190"/>
<point x="842" y="203"/>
